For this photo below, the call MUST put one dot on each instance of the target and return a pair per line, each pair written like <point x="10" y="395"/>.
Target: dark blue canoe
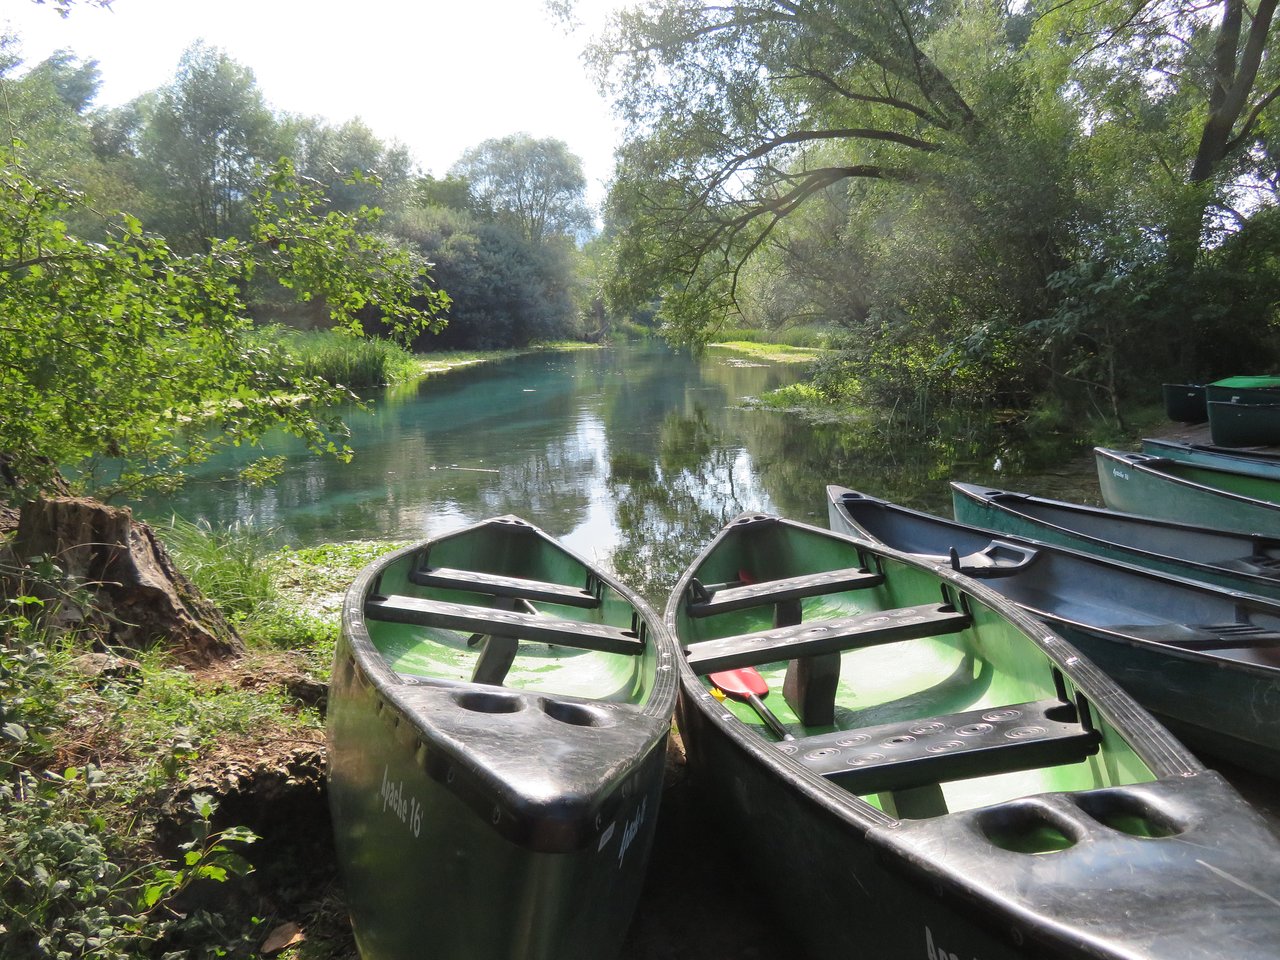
<point x="1203" y="659"/>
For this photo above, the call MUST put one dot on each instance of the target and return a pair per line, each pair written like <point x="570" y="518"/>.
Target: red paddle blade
<point x="741" y="683"/>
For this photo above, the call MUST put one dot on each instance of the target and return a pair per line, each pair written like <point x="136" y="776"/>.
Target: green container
<point x="1245" y="424"/>
<point x="1244" y="390"/>
<point x="1185" y="402"/>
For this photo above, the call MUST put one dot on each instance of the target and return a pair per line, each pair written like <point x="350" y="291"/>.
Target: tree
<point x="206" y="135"/>
<point x="505" y="291"/>
<point x="534" y="186"/>
<point x="130" y="350"/>
<point x="352" y="165"/>
<point x="740" y="114"/>
<point x="46" y="105"/>
<point x="1202" y="70"/>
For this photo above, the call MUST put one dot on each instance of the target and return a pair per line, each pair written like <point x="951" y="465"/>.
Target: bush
<point x="343" y="359"/>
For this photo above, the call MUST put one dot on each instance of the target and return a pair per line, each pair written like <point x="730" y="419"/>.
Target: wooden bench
<point x="975" y="743"/>
<point x="707" y="601"/>
<point x="819" y="637"/>
<point x="496" y="585"/>
<point x="502" y="629"/>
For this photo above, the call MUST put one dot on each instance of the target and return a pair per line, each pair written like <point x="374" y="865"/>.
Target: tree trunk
<point x="118" y="579"/>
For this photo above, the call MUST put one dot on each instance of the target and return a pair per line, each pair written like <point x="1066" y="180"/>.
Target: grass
<point x="775" y="352"/>
<point x="809" y="337"/>
<point x="358" y="363"/>
<point x="101" y="771"/>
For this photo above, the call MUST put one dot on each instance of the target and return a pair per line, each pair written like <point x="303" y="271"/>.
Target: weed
<point x="229" y="565"/>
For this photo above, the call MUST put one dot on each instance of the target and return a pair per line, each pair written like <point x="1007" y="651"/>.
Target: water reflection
<point x="634" y="456"/>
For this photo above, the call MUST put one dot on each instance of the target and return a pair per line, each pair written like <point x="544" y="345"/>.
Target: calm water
<point x="633" y="455"/>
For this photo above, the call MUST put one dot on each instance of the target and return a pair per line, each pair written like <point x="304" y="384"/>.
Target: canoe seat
<point x="819" y="637"/>
<point x="999" y="558"/>
<point x="491" y="622"/>
<point x="496" y="585"/>
<point x="975" y="743"/>
<point x="707" y="601"/>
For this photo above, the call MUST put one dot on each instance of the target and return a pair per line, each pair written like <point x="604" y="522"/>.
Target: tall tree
<point x="207" y="134"/>
<point x="738" y="114"/>
<point x="535" y="186"/>
<point x="1206" y="71"/>
<point x="354" y="166"/>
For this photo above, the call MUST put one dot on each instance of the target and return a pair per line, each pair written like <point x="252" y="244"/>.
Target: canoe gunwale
<point x="996" y="504"/>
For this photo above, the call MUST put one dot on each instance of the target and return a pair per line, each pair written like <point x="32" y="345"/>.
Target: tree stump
<point x="136" y="596"/>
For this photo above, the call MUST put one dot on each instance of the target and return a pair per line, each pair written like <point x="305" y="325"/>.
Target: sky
<point x="439" y="76"/>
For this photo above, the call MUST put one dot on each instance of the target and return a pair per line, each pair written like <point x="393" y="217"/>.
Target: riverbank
<point x="430" y="364"/>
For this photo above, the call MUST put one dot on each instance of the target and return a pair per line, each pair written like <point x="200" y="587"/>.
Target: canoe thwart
<point x="710" y="600"/>
<point x="819" y="637"/>
<point x="496" y="585"/>
<point x="999" y="558"/>
<point x="958" y="746"/>
<point x="490" y="622"/>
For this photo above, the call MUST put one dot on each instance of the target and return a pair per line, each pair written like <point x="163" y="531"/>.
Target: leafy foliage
<point x="931" y="176"/>
<point x="535" y="187"/>
<point x="505" y="290"/>
<point x="118" y="349"/>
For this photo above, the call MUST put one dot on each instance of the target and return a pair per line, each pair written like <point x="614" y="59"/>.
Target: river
<point x="633" y="455"/>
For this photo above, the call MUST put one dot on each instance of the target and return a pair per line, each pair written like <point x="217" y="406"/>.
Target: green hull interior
<point x="991" y="664"/>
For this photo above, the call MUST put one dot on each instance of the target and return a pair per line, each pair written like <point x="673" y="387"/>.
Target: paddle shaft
<point x="767" y="715"/>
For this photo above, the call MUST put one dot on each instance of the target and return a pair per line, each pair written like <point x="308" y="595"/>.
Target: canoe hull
<point x="388" y="810"/>
<point x="1253" y="462"/>
<point x="1134" y="483"/>
<point x="1229" y="560"/>
<point x="507" y="819"/>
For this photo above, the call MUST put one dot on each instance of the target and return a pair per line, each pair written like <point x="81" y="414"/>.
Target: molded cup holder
<point x="576" y="714"/>
<point x="1129" y="814"/>
<point x="1025" y="828"/>
<point x="485" y="702"/>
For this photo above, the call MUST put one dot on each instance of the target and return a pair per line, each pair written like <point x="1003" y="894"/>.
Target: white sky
<point x="439" y="76"/>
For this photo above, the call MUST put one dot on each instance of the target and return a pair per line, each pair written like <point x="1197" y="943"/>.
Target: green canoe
<point x="1188" y="493"/>
<point x="1235" y="561"/>
<point x="1265" y="389"/>
<point x="943" y="776"/>
<point x="1259" y="463"/>
<point x="497" y="724"/>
